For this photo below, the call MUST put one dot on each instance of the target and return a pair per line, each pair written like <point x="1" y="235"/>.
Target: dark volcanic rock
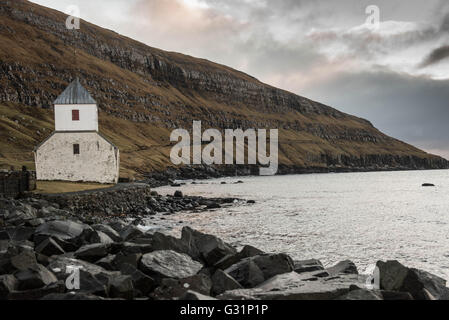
<point x="4" y="235"/>
<point x="107" y="263"/>
<point x="64" y="230"/>
<point x="428" y="185"/>
<point x="420" y="284"/>
<point x="121" y="287"/>
<point x="92" y="252"/>
<point x="95" y="283"/>
<point x="35" y="264"/>
<point x="362" y="294"/>
<point x="20" y="233"/>
<point x="161" y="241"/>
<point x="109" y="231"/>
<point x="71" y="296"/>
<point x="229" y="260"/>
<point x="307" y="265"/>
<point x="396" y="295"/>
<point x="128" y="248"/>
<point x="250" y="272"/>
<point x="8" y="283"/>
<point x="100" y="237"/>
<point x="68" y="234"/>
<point x="250" y="251"/>
<point x="118" y="225"/>
<point x="424" y="285"/>
<point x="178" y="194"/>
<point x="221" y="282"/>
<point x="34" y="223"/>
<point x="34" y="277"/>
<point x="292" y="286"/>
<point x="19" y="214"/>
<point x="130" y="232"/>
<point x="93" y="279"/>
<point x="273" y="264"/>
<point x="17" y="256"/>
<point x="36" y="294"/>
<point x="210" y="247"/>
<point x="214" y="205"/>
<point x="247" y="273"/>
<point x="141" y="282"/>
<point x="346" y="267"/>
<point x="49" y="247"/>
<point x="169" y="264"/>
<point x="195" y="296"/>
<point x="132" y="259"/>
<point x="392" y="275"/>
<point x="175" y="288"/>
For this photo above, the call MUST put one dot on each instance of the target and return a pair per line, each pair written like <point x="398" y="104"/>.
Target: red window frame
<point x="75" y="115"/>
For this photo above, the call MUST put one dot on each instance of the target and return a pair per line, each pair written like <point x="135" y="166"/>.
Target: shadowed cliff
<point x="144" y="93"/>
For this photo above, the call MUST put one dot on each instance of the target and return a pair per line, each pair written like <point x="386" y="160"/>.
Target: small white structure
<point x="76" y="151"/>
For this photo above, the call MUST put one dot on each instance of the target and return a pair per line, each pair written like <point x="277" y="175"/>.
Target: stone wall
<point x="121" y="199"/>
<point x="13" y="183"/>
<point x="97" y="161"/>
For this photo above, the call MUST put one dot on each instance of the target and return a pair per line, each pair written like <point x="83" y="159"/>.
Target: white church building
<point x="76" y="151"/>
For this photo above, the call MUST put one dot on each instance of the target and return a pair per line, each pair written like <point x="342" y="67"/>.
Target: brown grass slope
<point x="144" y="93"/>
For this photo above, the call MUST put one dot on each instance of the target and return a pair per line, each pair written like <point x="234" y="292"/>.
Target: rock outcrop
<point x="197" y="266"/>
<point x="150" y="92"/>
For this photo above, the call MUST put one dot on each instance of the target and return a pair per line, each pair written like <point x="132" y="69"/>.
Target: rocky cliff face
<point x="150" y="91"/>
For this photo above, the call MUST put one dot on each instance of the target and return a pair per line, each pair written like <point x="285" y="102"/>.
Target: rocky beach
<point x="44" y="238"/>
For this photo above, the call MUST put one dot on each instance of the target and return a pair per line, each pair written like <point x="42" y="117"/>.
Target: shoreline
<point x="41" y="237"/>
<point x="202" y="172"/>
<point x="292" y="228"/>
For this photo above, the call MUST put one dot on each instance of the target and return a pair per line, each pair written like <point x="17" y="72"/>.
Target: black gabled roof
<point x="75" y="93"/>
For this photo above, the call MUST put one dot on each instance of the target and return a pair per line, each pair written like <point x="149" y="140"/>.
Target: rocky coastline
<point x="130" y="201"/>
<point x="44" y="239"/>
<point x="201" y="172"/>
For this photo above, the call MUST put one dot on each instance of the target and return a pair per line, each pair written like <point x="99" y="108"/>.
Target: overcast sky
<point x="395" y="75"/>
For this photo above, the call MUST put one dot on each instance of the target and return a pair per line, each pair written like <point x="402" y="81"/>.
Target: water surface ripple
<point x="363" y="217"/>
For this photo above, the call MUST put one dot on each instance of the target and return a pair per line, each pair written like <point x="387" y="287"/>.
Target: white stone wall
<point x="88" y="117"/>
<point x="98" y="160"/>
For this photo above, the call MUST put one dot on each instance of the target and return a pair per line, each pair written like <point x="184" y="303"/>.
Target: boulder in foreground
<point x="292" y="286"/>
<point x="210" y="248"/>
<point x="346" y="267"/>
<point x="251" y="272"/>
<point x="169" y="264"/>
<point x="420" y="284"/>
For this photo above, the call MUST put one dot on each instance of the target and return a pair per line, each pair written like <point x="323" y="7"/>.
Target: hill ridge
<point x="148" y="92"/>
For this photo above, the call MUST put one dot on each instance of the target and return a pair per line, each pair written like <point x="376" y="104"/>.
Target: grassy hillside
<point x="144" y="93"/>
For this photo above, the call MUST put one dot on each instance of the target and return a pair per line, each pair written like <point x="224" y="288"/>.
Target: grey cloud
<point x="445" y="24"/>
<point x="436" y="56"/>
<point x="409" y="108"/>
<point x="268" y="39"/>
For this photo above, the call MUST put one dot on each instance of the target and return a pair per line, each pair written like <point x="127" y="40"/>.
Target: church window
<point x="75" y="115"/>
